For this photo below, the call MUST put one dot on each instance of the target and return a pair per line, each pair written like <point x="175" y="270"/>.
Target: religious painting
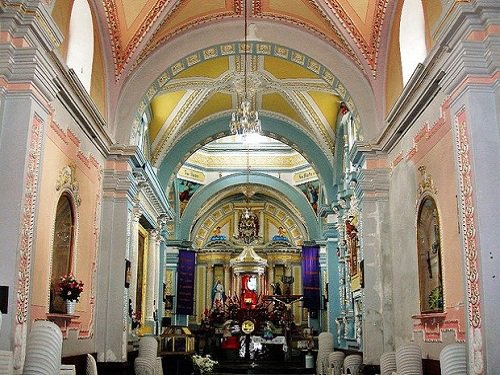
<point x="186" y="190"/>
<point x="352" y="240"/>
<point x="429" y="256"/>
<point x="311" y="190"/>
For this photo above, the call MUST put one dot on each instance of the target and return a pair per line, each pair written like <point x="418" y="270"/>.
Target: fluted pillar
<point x="270" y="276"/>
<point x="134" y="256"/>
<point x="151" y="274"/>
<point x="227" y="280"/>
<point x="209" y="286"/>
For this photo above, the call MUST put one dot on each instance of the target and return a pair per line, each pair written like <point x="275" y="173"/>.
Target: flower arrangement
<point x="205" y="365"/>
<point x="70" y="288"/>
<point x="136" y="319"/>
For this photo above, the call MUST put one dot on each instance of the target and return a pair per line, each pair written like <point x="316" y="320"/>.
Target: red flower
<point x="69" y="288"/>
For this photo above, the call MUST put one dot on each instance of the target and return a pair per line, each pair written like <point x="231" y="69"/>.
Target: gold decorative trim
<point x="426" y="184"/>
<point x="67" y="181"/>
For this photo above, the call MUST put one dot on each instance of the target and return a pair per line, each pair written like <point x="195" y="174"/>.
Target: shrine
<point x="254" y="311"/>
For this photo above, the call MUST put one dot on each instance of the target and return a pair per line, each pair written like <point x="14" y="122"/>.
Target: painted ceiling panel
<point x="191" y="10"/>
<point x="277" y="103"/>
<point x="328" y="104"/>
<point x="124" y="38"/>
<point x="132" y="9"/>
<point x="209" y="68"/>
<point x="283" y="69"/>
<point x="304" y="12"/>
<point x="360" y="7"/>
<point x="187" y="15"/>
<point x="216" y="103"/>
<point x="162" y="107"/>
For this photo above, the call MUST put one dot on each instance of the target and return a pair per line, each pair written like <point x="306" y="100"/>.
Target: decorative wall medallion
<point x="67" y="180"/>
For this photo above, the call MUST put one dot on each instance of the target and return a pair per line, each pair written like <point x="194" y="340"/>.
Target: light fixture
<point x="245" y="120"/>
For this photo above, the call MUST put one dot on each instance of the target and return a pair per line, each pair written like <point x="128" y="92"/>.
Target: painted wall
<point x="428" y="143"/>
<point x="65" y="146"/>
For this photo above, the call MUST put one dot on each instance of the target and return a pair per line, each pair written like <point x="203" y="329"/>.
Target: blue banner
<point x="185" y="282"/>
<point x="311" y="277"/>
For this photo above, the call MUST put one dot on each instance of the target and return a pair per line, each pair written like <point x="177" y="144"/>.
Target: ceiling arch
<point x="283" y="80"/>
<point x="282" y="189"/>
<point x="272" y="127"/>
<point x="180" y="49"/>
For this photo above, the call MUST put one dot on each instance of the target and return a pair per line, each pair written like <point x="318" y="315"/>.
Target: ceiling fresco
<point x="139" y="27"/>
<point x="283" y="90"/>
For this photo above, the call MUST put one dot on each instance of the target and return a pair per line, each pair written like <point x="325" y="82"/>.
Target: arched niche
<point x="62" y="248"/>
<point x="429" y="255"/>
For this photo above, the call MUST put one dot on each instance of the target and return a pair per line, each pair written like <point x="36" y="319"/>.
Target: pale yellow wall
<point x="98" y="80"/>
<point x="394" y="74"/>
<point x="61" y="13"/>
<point x="432" y="12"/>
<point x="439" y="162"/>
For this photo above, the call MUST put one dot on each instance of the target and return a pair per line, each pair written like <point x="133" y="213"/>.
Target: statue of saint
<point x="218" y="296"/>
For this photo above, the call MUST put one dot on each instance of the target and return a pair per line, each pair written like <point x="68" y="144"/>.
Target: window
<point x="81" y="42"/>
<point x="429" y="256"/>
<point x="411" y="37"/>
<point x="62" y="249"/>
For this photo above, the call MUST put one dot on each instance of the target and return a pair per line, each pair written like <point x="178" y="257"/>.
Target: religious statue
<point x="218" y="295"/>
<point x="352" y="243"/>
<point x="248" y="291"/>
<point x="217" y="235"/>
<point x="281" y="236"/>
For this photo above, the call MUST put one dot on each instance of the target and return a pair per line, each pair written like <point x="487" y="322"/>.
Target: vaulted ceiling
<point x="199" y="84"/>
<point x="137" y="28"/>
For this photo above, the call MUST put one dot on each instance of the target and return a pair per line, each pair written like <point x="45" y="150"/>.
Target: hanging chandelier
<point x="245" y="120"/>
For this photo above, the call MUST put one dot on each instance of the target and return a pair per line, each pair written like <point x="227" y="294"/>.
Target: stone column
<point x="227" y="280"/>
<point x="372" y="192"/>
<point x="209" y="286"/>
<point x="29" y="33"/>
<point x="151" y="274"/>
<point x="270" y="276"/>
<point x="163" y="234"/>
<point x="111" y="318"/>
<point x="134" y="247"/>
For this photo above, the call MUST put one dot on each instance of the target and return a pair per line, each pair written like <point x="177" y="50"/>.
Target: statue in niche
<point x="218" y="295"/>
<point x="352" y="243"/>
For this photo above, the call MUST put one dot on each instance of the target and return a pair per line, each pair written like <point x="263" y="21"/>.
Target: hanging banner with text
<point x="311" y="277"/>
<point x="185" y="282"/>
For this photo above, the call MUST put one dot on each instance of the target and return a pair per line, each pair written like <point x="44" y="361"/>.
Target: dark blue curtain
<point x="311" y="277"/>
<point x="185" y="282"/>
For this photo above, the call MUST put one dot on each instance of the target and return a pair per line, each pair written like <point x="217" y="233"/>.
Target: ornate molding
<point x="67" y="181"/>
<point x="426" y="183"/>
<point x="468" y="223"/>
<point x="26" y="240"/>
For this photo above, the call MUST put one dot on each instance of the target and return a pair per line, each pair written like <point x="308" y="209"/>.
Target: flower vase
<point x="70" y="307"/>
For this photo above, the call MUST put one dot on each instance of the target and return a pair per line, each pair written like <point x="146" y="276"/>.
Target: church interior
<point x="259" y="183"/>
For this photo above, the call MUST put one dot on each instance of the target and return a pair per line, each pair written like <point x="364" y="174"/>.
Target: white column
<point x="156" y="289"/>
<point x="227" y="280"/>
<point x="209" y="286"/>
<point x="134" y="254"/>
<point x="150" y="287"/>
<point x="270" y="276"/>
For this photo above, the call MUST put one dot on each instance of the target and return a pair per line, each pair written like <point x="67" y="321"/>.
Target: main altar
<point x="249" y="293"/>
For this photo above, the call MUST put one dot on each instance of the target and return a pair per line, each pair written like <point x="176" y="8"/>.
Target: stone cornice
<point x="80" y="105"/>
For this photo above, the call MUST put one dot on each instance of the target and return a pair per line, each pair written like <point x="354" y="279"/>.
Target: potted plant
<point x="70" y="290"/>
